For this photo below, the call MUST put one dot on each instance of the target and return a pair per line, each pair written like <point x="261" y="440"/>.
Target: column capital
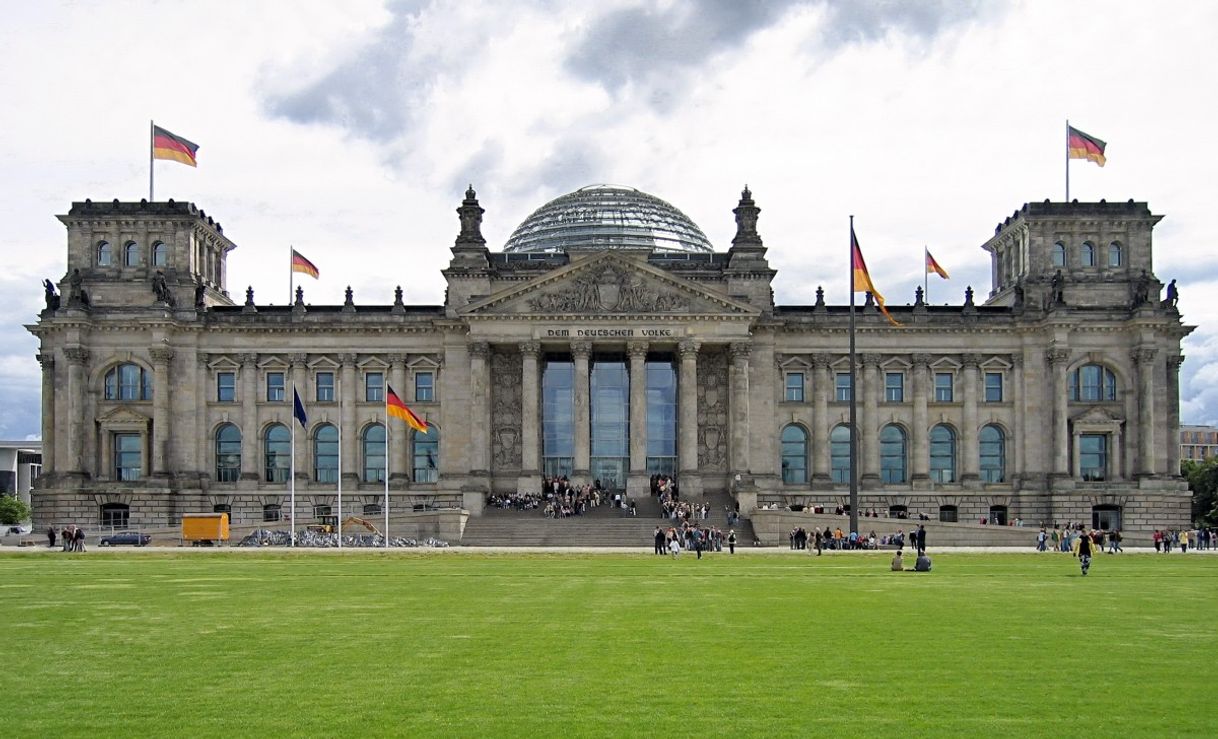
<point x="76" y="355"/>
<point x="1056" y="355"/>
<point x="480" y="349"/>
<point x="1174" y="362"/>
<point x="637" y="349"/>
<point x="160" y="354"/>
<point x="396" y="359"/>
<point x="530" y="348"/>
<point x="347" y="359"/>
<point x="1017" y="360"/>
<point x="870" y="359"/>
<point x="971" y="361"/>
<point x="1143" y="355"/>
<point x="688" y="349"/>
<point x="581" y="349"/>
<point x="921" y="360"/>
<point x="298" y="360"/>
<point x="820" y="360"/>
<point x="46" y="359"/>
<point x="249" y="359"/>
<point x="740" y="349"/>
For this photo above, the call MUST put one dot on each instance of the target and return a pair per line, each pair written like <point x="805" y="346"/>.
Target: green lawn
<point x="460" y="644"/>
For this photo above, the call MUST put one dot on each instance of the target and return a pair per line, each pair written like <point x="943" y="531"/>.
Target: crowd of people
<point x="690" y="537"/>
<point x="559" y="498"/>
<point x="72" y="538"/>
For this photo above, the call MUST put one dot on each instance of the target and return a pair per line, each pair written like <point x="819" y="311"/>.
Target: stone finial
<point x="249" y="296"/>
<point x="820" y="297"/>
<point x="968" y="295"/>
<point x="471" y="220"/>
<point x="746" y="220"/>
<point x="397" y="295"/>
<point x="869" y="301"/>
<point x="349" y="296"/>
<point x="299" y="297"/>
<point x="919" y="296"/>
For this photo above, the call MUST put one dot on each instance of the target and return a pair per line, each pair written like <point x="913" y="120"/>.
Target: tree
<point x="1202" y="479"/>
<point x="13" y="510"/>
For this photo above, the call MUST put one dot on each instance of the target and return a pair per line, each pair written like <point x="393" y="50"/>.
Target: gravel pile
<point x="306" y="538"/>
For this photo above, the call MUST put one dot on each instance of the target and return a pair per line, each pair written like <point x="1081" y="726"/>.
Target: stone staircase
<point x="603" y="526"/>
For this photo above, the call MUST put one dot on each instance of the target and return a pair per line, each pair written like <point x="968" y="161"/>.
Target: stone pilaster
<point x="869" y="433"/>
<point x="822" y="386"/>
<point x="162" y="436"/>
<point x="249" y="418"/>
<point x="47" y="360"/>
<point x="1056" y="360"/>
<point x="739" y="380"/>
<point x="398" y="460"/>
<point x="637" y="483"/>
<point x="77" y="359"/>
<point x="350" y="392"/>
<point x="1016" y="446"/>
<point x="300" y="384"/>
<point x="581" y="353"/>
<point x="480" y="407"/>
<point x="970" y="452"/>
<point x="921" y="421"/>
<point x="1173" y="414"/>
<point x="687" y="411"/>
<point x="530" y="417"/>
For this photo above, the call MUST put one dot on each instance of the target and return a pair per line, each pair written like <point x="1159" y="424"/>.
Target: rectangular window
<point x="795" y="387"/>
<point x="1093" y="457"/>
<point x="226" y="387"/>
<point x="424" y="387"/>
<point x="274" y="387"/>
<point x="842" y="387"/>
<point x="325" y="387"/>
<point x="943" y="387"/>
<point x="128" y="463"/>
<point x="894" y="387"/>
<point x="374" y="386"/>
<point x="993" y="387"/>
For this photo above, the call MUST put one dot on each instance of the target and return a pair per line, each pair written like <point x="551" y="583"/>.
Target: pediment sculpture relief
<point x="610" y="289"/>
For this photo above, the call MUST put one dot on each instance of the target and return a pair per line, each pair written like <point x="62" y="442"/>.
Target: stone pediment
<point x="1096" y="417"/>
<point x="608" y="284"/>
<point x="123" y="418"/>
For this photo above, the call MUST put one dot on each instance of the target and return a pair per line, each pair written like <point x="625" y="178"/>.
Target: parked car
<point x="125" y="539"/>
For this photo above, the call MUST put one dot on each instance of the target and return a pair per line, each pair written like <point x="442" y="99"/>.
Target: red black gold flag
<point x="396" y="408"/>
<point x="862" y="279"/>
<point x="166" y="145"/>
<point x="1082" y="146"/>
<point x="932" y="267"/>
<point x="301" y="264"/>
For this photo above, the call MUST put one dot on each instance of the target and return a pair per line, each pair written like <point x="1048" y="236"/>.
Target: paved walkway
<point x="458" y="551"/>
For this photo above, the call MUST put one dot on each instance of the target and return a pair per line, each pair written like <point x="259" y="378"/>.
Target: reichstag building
<point x="609" y="339"/>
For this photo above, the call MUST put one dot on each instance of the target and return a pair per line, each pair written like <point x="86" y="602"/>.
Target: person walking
<point x="731" y="541"/>
<point x="921" y="538"/>
<point x="51" y="537"/>
<point x="1084" y="553"/>
<point x="659" y="541"/>
<point x="79" y="540"/>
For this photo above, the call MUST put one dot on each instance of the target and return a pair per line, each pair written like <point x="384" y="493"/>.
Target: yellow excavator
<point x="332" y="526"/>
<point x="352" y="519"/>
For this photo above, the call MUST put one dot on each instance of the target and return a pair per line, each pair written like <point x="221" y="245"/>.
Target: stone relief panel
<point x="612" y="288"/>
<point x="506" y="378"/>
<point x="712" y="410"/>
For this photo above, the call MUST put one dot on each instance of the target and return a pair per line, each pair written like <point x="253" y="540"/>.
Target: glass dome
<point x="607" y="217"/>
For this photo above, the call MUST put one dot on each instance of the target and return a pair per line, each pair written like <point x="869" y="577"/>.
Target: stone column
<point x="47" y="360"/>
<point x="739" y="381"/>
<point x="869" y="433"/>
<point x="687" y="411"/>
<point x="300" y="459"/>
<point x="249" y="418"/>
<point x="201" y="419"/>
<point x="399" y="450"/>
<point x="1144" y="357"/>
<point x="821" y="387"/>
<point x="921" y="421"/>
<point x="162" y="436"/>
<point x="970" y="451"/>
<point x="1056" y="360"/>
<point x="581" y="352"/>
<point x="637" y="483"/>
<point x="1016" y="444"/>
<point x="349" y="393"/>
<point x="77" y="358"/>
<point x="480" y="407"/>
<point x="530" y="415"/>
<point x="1173" y="414"/>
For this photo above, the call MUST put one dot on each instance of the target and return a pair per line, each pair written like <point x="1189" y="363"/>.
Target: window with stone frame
<point x="944" y="388"/>
<point x="226" y="387"/>
<point x="894" y="387"/>
<point x="276" y="388"/>
<point x="794" y="387"/>
<point x="1092" y="383"/>
<point x="424" y="387"/>
<point x="325" y="387"/>
<point x="374" y="387"/>
<point x="271" y="512"/>
<point x="1093" y="457"/>
<point x="128" y="456"/>
<point x="115" y="515"/>
<point x="128" y="382"/>
<point x="841" y="385"/>
<point x="993" y="387"/>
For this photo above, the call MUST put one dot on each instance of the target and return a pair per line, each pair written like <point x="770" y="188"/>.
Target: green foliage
<point x="13" y="510"/>
<point x="453" y="643"/>
<point x="1202" y="479"/>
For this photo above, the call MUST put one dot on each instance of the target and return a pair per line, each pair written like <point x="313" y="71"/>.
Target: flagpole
<point x="340" y="464"/>
<point x="1067" y="160"/>
<point x="292" y="471"/>
<point x="854" y="434"/>
<point x="385" y="419"/>
<point x="926" y="274"/>
<point x="291" y="271"/>
<point x="151" y="158"/>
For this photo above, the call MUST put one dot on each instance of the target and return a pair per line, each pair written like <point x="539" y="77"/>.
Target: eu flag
<point x="298" y="411"/>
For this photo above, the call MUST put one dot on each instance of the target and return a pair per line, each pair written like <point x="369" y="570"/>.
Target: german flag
<point x="396" y="408"/>
<point x="1081" y="146"/>
<point x="862" y="279"/>
<point x="301" y="264"/>
<point x="166" y="145"/>
<point x="932" y="267"/>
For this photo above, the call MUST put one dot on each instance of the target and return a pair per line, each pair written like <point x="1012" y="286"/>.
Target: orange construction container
<point x="204" y="529"/>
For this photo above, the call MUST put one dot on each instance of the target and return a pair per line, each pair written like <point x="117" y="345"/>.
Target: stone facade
<point x="1056" y="398"/>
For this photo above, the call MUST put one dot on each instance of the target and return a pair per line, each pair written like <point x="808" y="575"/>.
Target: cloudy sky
<point x="351" y="129"/>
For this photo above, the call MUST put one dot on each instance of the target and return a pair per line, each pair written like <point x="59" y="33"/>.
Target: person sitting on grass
<point x="922" y="564"/>
<point x="898" y="565"/>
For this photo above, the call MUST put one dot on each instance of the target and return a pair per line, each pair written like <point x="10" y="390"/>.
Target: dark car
<point x="126" y="539"/>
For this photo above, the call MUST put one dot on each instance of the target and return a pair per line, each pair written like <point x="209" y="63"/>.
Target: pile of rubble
<point x="307" y="538"/>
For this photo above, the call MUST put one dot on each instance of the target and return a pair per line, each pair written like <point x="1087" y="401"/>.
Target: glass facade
<point x="128" y="456"/>
<point x="558" y="417"/>
<point x="609" y="388"/>
<point x="325" y="454"/>
<point x="1093" y="456"/>
<point x="661" y="417"/>
<point x="427" y="455"/>
<point x="794" y="455"/>
<point x="839" y="453"/>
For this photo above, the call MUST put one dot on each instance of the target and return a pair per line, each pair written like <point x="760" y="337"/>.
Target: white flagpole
<point x="151" y="158"/>
<point x="340" y="464"/>
<point x="385" y="418"/>
<point x="291" y="274"/>
<point x="292" y="470"/>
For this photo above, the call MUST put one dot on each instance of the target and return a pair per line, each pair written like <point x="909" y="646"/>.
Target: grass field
<point x="461" y="644"/>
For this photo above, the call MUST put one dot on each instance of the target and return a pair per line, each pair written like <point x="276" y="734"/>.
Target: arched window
<point x="949" y="513"/>
<point x="998" y="515"/>
<point x="839" y="453"/>
<point x="160" y="254"/>
<point x="115" y="515"/>
<point x="1114" y="254"/>
<point x="323" y="511"/>
<point x="1092" y="383"/>
<point x="374" y="453"/>
<point x="131" y="254"/>
<point x="993" y="454"/>
<point x="427" y="455"/>
<point x="228" y="453"/>
<point x="105" y="255"/>
<point x="223" y="508"/>
<point x="271" y="512"/>
<point x="892" y="454"/>
<point x="1106" y="517"/>
<point x="942" y="454"/>
<point x="1087" y="254"/>
<point x="325" y="453"/>
<point x="794" y="454"/>
<point x="898" y="511"/>
<point x="277" y="446"/>
<point x="372" y="509"/>
<point x="128" y="381"/>
<point x="1059" y="254"/>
